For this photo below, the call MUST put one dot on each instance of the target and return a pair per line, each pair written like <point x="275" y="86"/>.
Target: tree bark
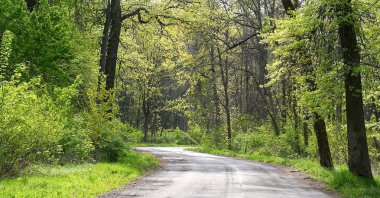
<point x="224" y="75"/>
<point x="358" y="157"/>
<point x="113" y="44"/>
<point x="105" y="38"/>
<point x="214" y="87"/>
<point x="322" y="141"/>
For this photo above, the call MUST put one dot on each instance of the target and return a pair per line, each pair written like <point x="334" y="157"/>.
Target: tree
<point x="319" y="123"/>
<point x="358" y="158"/>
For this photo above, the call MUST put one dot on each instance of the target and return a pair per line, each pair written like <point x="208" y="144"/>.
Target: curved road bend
<point x="197" y="175"/>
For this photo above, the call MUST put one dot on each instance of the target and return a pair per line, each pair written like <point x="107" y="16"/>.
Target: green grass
<point x="338" y="179"/>
<point x="85" y="180"/>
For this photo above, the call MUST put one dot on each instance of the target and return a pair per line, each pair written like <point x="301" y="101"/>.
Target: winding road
<point x="191" y="174"/>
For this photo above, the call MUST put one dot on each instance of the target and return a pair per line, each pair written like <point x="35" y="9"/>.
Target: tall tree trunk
<point x="113" y="44"/>
<point x="214" y="87"/>
<point x="224" y="75"/>
<point x="103" y="48"/>
<point x="358" y="157"/>
<point x="105" y="38"/>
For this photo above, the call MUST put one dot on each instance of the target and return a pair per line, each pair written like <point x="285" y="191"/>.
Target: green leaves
<point x="5" y="51"/>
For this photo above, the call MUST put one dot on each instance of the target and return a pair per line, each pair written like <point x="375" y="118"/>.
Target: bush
<point x="39" y="126"/>
<point x="38" y="122"/>
<point x="264" y="142"/>
<point x="36" y="127"/>
<point x="174" y="136"/>
<point x="110" y="137"/>
<point x="30" y="126"/>
<point x="113" y="150"/>
<point x="76" y="144"/>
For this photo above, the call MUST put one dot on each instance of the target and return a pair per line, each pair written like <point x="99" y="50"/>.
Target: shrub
<point x="113" y="150"/>
<point x="174" y="136"/>
<point x="264" y="142"/>
<point x="76" y="144"/>
<point x="30" y="126"/>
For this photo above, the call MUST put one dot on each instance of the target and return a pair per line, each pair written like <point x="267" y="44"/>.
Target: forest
<point x="84" y="81"/>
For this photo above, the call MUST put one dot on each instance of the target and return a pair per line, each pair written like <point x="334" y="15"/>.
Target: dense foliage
<point x="49" y="111"/>
<point x="296" y="79"/>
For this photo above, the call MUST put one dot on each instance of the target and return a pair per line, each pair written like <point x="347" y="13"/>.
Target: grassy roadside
<point x="338" y="179"/>
<point x="85" y="180"/>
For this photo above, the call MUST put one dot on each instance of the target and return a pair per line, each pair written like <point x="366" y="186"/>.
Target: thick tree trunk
<point x="323" y="143"/>
<point x="358" y="157"/>
<point x="113" y="44"/>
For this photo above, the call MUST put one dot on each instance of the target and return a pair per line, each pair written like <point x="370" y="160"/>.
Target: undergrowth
<point x="84" y="180"/>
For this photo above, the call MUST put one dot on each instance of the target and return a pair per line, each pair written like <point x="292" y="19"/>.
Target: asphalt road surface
<point x="191" y="174"/>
